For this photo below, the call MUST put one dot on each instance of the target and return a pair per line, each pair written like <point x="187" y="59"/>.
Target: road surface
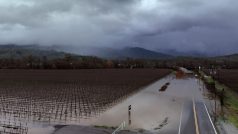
<point x="177" y="110"/>
<point x="196" y="120"/>
<point x="205" y="124"/>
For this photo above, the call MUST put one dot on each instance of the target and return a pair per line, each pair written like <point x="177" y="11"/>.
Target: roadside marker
<point x="129" y="114"/>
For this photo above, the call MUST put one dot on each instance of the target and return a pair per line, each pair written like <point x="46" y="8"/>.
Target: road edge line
<point x="195" y="118"/>
<point x="180" y="123"/>
<point x="210" y="118"/>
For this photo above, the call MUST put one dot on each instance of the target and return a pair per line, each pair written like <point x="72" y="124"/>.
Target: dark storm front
<point x="64" y="96"/>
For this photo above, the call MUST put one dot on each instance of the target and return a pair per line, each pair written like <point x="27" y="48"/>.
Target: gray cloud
<point x="184" y="25"/>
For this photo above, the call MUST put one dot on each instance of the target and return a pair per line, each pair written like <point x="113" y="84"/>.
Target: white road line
<point x="210" y="119"/>
<point x="180" y="123"/>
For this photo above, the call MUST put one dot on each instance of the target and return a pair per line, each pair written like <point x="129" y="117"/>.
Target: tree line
<point x="90" y="62"/>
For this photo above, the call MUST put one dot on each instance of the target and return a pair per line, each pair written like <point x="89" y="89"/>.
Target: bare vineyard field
<point x="229" y="77"/>
<point x="62" y="96"/>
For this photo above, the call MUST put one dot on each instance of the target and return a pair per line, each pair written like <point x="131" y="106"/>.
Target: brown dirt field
<point x="229" y="77"/>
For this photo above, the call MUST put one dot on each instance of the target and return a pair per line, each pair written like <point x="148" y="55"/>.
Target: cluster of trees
<point x="77" y="62"/>
<point x="81" y="62"/>
<point x="194" y="63"/>
<point x="67" y="62"/>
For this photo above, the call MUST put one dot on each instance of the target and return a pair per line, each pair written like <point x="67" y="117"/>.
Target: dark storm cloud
<point x="185" y="25"/>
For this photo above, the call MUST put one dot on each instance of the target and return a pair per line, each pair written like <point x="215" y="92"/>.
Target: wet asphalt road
<point x="202" y="122"/>
<point x="187" y="124"/>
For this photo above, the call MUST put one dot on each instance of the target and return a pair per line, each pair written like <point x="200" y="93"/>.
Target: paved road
<point x="205" y="124"/>
<point x="196" y="120"/>
<point x="187" y="122"/>
<point x="178" y="110"/>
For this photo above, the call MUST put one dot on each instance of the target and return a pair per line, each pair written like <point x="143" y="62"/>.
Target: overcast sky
<point x="185" y="25"/>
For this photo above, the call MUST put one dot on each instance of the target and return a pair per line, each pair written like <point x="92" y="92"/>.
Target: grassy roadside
<point x="230" y="101"/>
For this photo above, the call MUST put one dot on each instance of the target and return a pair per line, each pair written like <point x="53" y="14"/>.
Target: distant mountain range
<point x="128" y="52"/>
<point x="52" y="52"/>
<point x="18" y="52"/>
<point x="176" y="53"/>
<point x="233" y="57"/>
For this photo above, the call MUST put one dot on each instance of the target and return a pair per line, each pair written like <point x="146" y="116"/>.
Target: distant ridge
<point x="129" y="52"/>
<point x="141" y="53"/>
<point x="21" y="51"/>
<point x="13" y="51"/>
<point x="233" y="57"/>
